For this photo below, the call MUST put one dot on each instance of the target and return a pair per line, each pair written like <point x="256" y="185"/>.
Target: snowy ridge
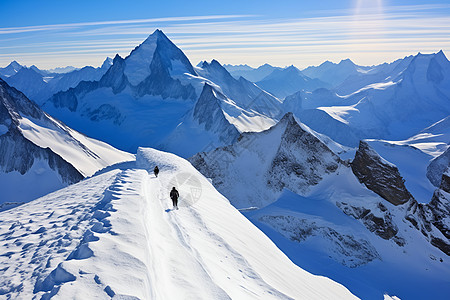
<point x="38" y="149"/>
<point x="397" y="107"/>
<point x="80" y="236"/>
<point x="327" y="220"/>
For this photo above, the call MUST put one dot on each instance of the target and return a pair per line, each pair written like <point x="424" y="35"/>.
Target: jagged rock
<point x="379" y="175"/>
<point x="383" y="227"/>
<point x="379" y="222"/>
<point x="307" y="169"/>
<point x="285" y="156"/>
<point x="18" y="153"/>
<point x="445" y="182"/>
<point x="347" y="249"/>
<point x="433" y="219"/>
<point x="46" y="153"/>
<point x="437" y="168"/>
<point x="207" y="112"/>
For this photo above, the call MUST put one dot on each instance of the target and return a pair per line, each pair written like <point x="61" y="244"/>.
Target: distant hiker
<point x="156" y="171"/>
<point x="174" y="196"/>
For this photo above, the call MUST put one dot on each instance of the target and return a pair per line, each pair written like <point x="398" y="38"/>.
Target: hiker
<point x="156" y="171"/>
<point x="174" y="196"/>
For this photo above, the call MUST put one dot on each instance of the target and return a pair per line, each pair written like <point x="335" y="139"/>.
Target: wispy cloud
<point x="368" y="38"/>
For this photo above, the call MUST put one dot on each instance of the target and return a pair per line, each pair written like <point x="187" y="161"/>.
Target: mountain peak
<point x="292" y="68"/>
<point x="288" y="118"/>
<point x="107" y="62"/>
<point x="15" y="64"/>
<point x="157" y="51"/>
<point x="155" y="36"/>
<point x="347" y="61"/>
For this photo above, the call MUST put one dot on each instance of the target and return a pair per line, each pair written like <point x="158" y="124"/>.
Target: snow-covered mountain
<point x="365" y="76"/>
<point x="10" y="69"/>
<point x="269" y="164"/>
<point x="395" y="110"/>
<point x="38" y="85"/>
<point x="249" y="73"/>
<point x="115" y="235"/>
<point x="40" y="154"/>
<point x="334" y="74"/>
<point x="150" y="98"/>
<point x="244" y="93"/>
<point x="284" y="82"/>
<point x="356" y="222"/>
<point x="61" y="70"/>
<point x="28" y="81"/>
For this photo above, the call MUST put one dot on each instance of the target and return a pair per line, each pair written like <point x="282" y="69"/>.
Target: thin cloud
<point x="370" y="38"/>
<point x="118" y="22"/>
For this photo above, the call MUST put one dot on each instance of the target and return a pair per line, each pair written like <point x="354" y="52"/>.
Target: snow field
<point x="115" y="236"/>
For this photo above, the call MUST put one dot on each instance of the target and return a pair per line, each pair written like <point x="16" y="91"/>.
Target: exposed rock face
<point x="158" y="78"/>
<point x="437" y="167"/>
<point x="345" y="248"/>
<point x="289" y="169"/>
<point x="207" y="112"/>
<point x="433" y="219"/>
<point x="379" y="175"/>
<point x="114" y="77"/>
<point x="159" y="82"/>
<point x="284" y="156"/>
<point x="244" y="93"/>
<point x="378" y="220"/>
<point x="19" y="154"/>
<point x="16" y="152"/>
<point x="445" y="182"/>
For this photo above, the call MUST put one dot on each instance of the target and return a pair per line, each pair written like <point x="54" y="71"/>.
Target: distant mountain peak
<point x="15" y="64"/>
<point x="347" y="61"/>
<point x="107" y="62"/>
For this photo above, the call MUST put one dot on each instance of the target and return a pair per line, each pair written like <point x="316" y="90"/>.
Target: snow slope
<point x="397" y="108"/>
<point x="40" y="154"/>
<point x="311" y="204"/>
<point x="115" y="235"/>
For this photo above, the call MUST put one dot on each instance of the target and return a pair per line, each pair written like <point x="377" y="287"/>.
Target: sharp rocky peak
<point x="15" y="64"/>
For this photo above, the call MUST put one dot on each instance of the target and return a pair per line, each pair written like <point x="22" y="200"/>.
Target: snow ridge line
<point x="98" y="223"/>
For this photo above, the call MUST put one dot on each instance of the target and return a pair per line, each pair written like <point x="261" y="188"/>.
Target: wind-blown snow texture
<point x="115" y="235"/>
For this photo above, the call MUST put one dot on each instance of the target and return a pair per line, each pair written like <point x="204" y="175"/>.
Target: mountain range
<point x="344" y="168"/>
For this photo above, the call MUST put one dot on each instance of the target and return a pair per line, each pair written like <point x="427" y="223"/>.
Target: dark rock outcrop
<point x="437" y="168"/>
<point x="379" y="175"/>
<point x="347" y="249"/>
<point x="16" y="152"/>
<point x="307" y="169"/>
<point x="378" y="221"/>
<point x="207" y="112"/>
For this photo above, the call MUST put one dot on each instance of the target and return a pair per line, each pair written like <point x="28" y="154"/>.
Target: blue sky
<point x="51" y="33"/>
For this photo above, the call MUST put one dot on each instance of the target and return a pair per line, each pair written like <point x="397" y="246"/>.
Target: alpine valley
<point x="331" y="182"/>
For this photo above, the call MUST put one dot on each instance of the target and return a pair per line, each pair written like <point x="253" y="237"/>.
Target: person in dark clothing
<point x="156" y="171"/>
<point x="174" y="195"/>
